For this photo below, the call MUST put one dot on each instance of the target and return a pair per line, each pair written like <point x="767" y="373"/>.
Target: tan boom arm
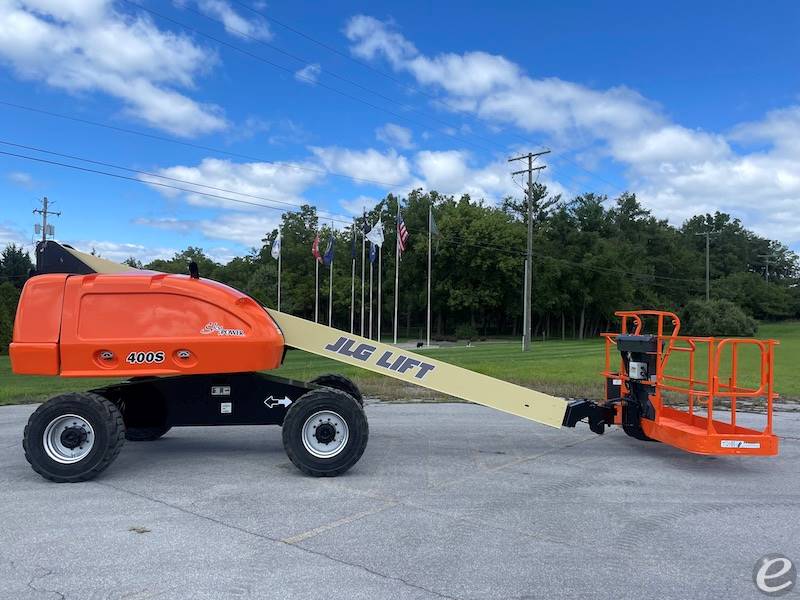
<point x="420" y="370"/>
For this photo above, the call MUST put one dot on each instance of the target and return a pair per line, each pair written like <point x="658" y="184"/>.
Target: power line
<point x="193" y="145"/>
<point x="341" y="78"/>
<point x="159" y="176"/>
<point x="156" y="183"/>
<point x="348" y="223"/>
<point x="196" y="146"/>
<point x="613" y="186"/>
<point x="291" y="71"/>
<point x="455" y="239"/>
<point x="335" y="75"/>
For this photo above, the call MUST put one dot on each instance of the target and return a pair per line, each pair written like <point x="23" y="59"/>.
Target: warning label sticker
<point x="739" y="444"/>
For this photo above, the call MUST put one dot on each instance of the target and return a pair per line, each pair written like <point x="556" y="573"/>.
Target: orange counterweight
<point x="140" y="323"/>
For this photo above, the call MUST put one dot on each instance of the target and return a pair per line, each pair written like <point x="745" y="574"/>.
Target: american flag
<point x="402" y="232"/>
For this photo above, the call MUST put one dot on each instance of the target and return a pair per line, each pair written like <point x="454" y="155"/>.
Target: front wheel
<point x="73" y="437"/>
<point x="325" y="432"/>
<point x="341" y="383"/>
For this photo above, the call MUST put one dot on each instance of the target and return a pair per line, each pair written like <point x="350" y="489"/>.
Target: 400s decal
<point x="142" y="358"/>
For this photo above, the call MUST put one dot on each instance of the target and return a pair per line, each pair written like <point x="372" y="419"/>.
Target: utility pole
<point x="766" y="258"/>
<point x="526" y="320"/>
<point x="44" y="212"/>
<point x="708" y="235"/>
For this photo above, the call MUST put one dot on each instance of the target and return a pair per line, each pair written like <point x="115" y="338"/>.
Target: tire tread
<point x="110" y="414"/>
<point x="297" y="406"/>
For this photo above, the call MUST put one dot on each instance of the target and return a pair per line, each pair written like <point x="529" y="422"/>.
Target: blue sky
<point x="694" y="106"/>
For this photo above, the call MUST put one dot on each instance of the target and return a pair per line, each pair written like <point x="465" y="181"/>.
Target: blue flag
<point x="328" y="258"/>
<point x="373" y="252"/>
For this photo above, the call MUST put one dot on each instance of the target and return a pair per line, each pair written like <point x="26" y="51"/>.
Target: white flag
<point x="375" y="235"/>
<point x="276" y="247"/>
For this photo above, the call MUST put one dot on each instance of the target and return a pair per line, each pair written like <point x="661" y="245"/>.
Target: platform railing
<point x="697" y="389"/>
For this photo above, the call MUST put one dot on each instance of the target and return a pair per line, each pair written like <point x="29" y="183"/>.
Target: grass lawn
<point x="568" y="368"/>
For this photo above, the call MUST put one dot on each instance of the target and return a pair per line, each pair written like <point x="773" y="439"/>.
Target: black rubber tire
<point x="109" y="431"/>
<point x="341" y="383"/>
<point x="308" y="404"/>
<point x="145" y="434"/>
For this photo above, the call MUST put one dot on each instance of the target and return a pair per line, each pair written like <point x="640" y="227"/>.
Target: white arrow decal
<point x="273" y="402"/>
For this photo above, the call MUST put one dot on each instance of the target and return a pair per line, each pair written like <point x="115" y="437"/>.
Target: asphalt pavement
<point x="449" y="501"/>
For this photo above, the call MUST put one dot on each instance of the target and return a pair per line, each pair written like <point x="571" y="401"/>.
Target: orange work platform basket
<point x="689" y="391"/>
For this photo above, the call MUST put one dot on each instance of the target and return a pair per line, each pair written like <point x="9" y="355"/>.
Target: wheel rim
<point x="325" y="434"/>
<point x="68" y="439"/>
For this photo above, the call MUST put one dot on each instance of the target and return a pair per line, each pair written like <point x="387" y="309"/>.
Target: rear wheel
<point x="73" y="437"/>
<point x="325" y="432"/>
<point x="341" y="383"/>
<point x="144" y="410"/>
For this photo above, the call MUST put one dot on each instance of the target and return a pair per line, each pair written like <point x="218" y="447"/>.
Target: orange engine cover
<point x="140" y="323"/>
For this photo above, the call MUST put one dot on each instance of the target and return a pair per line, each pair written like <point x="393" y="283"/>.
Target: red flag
<point x="315" y="249"/>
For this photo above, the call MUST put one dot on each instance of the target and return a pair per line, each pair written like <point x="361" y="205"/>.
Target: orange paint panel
<point x="154" y="315"/>
<point x="34" y="358"/>
<point x="136" y="324"/>
<point x="38" y="317"/>
<point x="141" y="323"/>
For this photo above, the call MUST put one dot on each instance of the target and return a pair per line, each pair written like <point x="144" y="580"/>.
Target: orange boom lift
<point x="191" y="351"/>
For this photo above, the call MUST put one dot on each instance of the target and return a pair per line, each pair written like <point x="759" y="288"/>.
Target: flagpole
<point x="396" y="268"/>
<point x="380" y="256"/>
<point x="524" y="312"/>
<point x="316" y="292"/>
<point x="370" y="295"/>
<point x="279" y="281"/>
<point x="430" y="220"/>
<point x="363" y="247"/>
<point x="353" y="280"/>
<point x="330" y="293"/>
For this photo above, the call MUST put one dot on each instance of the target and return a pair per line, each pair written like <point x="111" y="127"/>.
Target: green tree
<point x="15" y="265"/>
<point x="717" y="318"/>
<point x="9" y="297"/>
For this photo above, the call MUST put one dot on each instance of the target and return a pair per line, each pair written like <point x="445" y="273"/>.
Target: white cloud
<point x="120" y="251"/>
<point x="234" y="23"/>
<point x="453" y="172"/>
<point x="370" y="164"/>
<point x="781" y="128"/>
<point x="87" y="46"/>
<point x="168" y="223"/>
<point x="262" y="183"/>
<point x="9" y="234"/>
<point x="241" y="227"/>
<point x="677" y="171"/>
<point x="308" y="74"/>
<point x="395" y="135"/>
<point x="21" y="179"/>
<point x="356" y="206"/>
<point x="495" y="88"/>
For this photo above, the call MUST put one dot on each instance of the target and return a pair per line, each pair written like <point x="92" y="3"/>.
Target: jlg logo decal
<point x="392" y="361"/>
<point x="142" y="358"/>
